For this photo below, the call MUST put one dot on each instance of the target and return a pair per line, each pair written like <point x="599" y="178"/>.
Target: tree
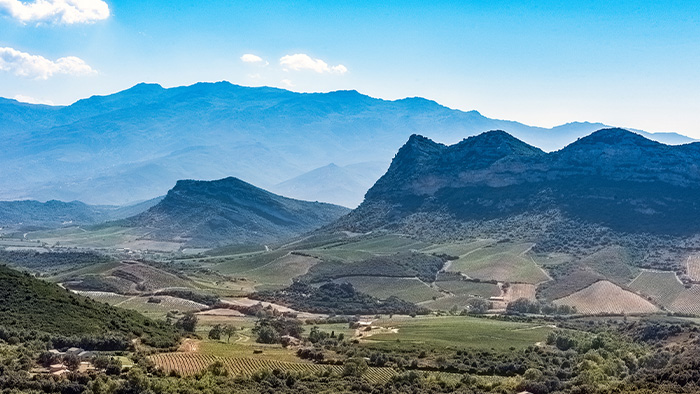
<point x="478" y="305"/>
<point x="267" y="334"/>
<point x="229" y="331"/>
<point x="215" y="332"/>
<point x="355" y="367"/>
<point x="187" y="323"/>
<point x="71" y="361"/>
<point x="100" y="362"/>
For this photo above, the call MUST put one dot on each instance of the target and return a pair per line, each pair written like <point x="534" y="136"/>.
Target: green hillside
<point x="32" y="304"/>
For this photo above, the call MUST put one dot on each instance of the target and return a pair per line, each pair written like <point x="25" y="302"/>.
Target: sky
<point x="624" y="63"/>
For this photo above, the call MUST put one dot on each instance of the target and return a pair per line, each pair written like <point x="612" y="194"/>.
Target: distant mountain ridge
<point x="613" y="177"/>
<point x="135" y="144"/>
<point x="229" y="211"/>
<point x="30" y="214"/>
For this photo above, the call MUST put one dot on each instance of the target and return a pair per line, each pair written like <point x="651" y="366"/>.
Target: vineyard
<point x="693" y="266"/>
<point x="500" y="262"/>
<point x="520" y="290"/>
<point x="687" y="301"/>
<point x="187" y="364"/>
<point x="662" y="286"/>
<point x="382" y="287"/>
<point x="161" y="304"/>
<point x="606" y="297"/>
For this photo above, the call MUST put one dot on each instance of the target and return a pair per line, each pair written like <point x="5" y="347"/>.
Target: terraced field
<point x="607" y="297"/>
<point x="187" y="364"/>
<point x="409" y="289"/>
<point x="662" y="286"/>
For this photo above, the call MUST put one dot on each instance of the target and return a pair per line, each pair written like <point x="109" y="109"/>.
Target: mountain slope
<point x="30" y="214"/>
<point x="227" y="211"/>
<point x="612" y="178"/>
<point x="340" y="185"/>
<point x="133" y="145"/>
<point x="32" y="304"/>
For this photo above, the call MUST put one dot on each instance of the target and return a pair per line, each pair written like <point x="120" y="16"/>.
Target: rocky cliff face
<point x="229" y="211"/>
<point x="613" y="178"/>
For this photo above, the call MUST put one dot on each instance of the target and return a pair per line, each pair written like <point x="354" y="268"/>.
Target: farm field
<point x="662" y="286"/>
<point x="614" y="263"/>
<point x="455" y="332"/>
<point x="141" y="304"/>
<point x="606" y="297"/>
<point x="520" y="290"/>
<point x="446" y="303"/>
<point x="502" y="262"/>
<point x="107" y="237"/>
<point x="458" y="249"/>
<point x="409" y="289"/>
<point x="688" y="301"/>
<point x="693" y="267"/>
<point x="279" y="272"/>
<point x="385" y="244"/>
<point x="469" y="288"/>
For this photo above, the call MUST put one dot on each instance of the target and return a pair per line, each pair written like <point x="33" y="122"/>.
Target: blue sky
<point x="625" y="63"/>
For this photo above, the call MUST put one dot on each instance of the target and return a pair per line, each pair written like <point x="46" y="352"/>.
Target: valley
<point x="440" y="276"/>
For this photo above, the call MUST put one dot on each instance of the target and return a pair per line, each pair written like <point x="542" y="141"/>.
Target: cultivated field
<point x="192" y="363"/>
<point x="469" y="288"/>
<point x="279" y="272"/>
<point x="409" y="289"/>
<point x="503" y="262"/>
<point x="458" y="249"/>
<point x="688" y="301"/>
<point x="141" y="304"/>
<point x="662" y="286"/>
<point x="385" y="244"/>
<point x="693" y="267"/>
<point x="519" y="290"/>
<point x="607" y="297"/>
<point x="614" y="263"/>
<point x="447" y="303"/>
<point x="455" y="332"/>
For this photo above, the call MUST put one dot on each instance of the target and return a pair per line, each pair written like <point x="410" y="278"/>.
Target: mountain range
<point x="31" y="215"/>
<point x="135" y="144"/>
<point x="612" y="178"/>
<point x="229" y="211"/>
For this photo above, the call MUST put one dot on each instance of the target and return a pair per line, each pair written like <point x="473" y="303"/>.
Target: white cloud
<point x="288" y="83"/>
<point x="32" y="100"/>
<point x="301" y="61"/>
<point x="56" y="11"/>
<point x="254" y="59"/>
<point x="37" y="67"/>
<point x="250" y="58"/>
